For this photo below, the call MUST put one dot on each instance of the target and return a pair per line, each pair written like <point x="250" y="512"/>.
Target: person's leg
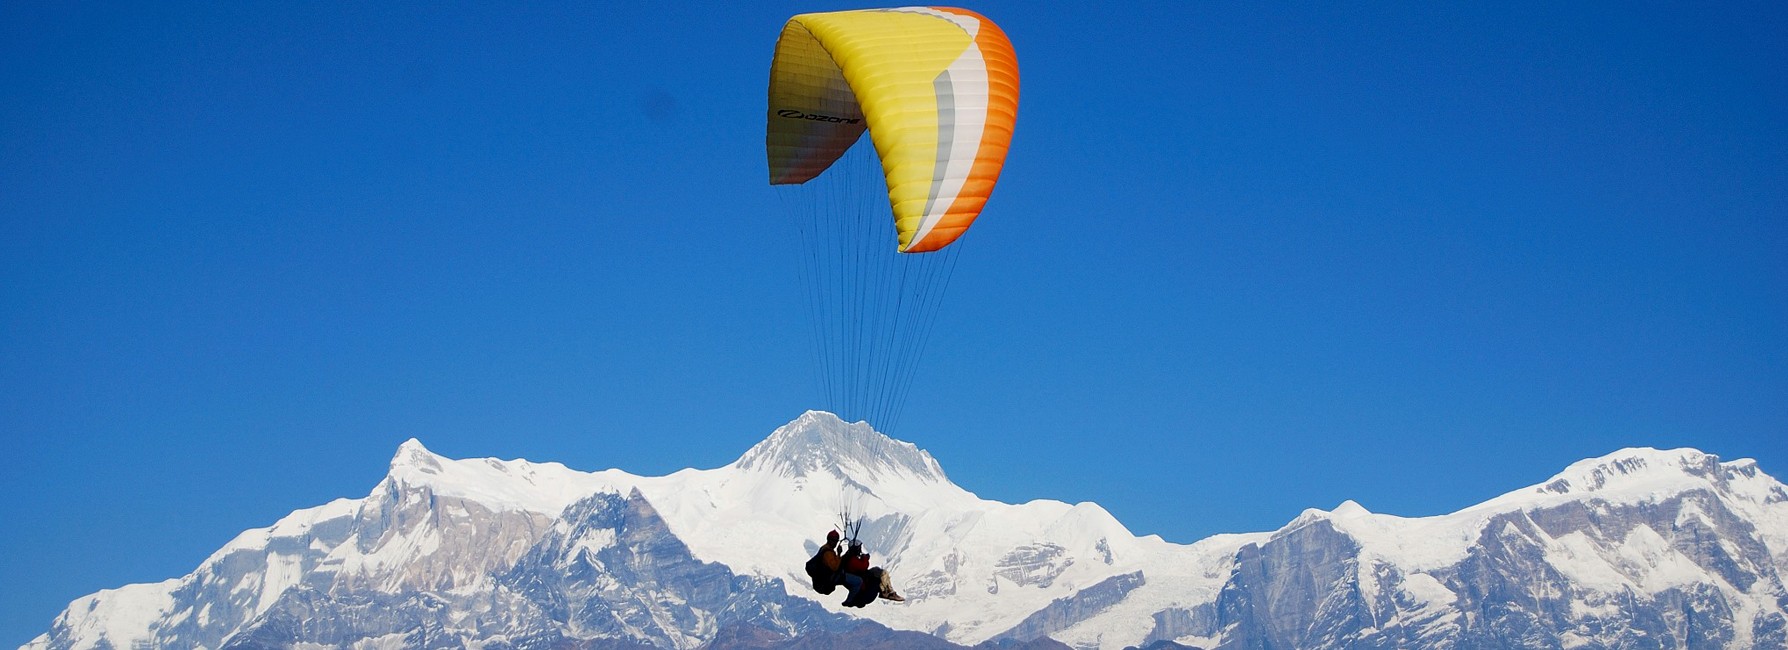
<point x="887" y="586"/>
<point x="869" y="588"/>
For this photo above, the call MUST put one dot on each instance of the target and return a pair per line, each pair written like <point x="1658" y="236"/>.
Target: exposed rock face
<point x="1293" y="591"/>
<point x="1066" y="612"/>
<point x="612" y="570"/>
<point x="1640" y="549"/>
<point x="1033" y="564"/>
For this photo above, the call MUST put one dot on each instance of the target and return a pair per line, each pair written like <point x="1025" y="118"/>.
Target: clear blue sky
<point x="1243" y="260"/>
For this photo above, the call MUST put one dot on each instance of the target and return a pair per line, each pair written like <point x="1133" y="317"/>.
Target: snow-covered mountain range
<point x="1642" y="548"/>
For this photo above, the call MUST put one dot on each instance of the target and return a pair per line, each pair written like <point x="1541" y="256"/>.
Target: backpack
<point x="824" y="576"/>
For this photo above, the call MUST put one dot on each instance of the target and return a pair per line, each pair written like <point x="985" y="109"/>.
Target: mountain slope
<point x="1641" y="548"/>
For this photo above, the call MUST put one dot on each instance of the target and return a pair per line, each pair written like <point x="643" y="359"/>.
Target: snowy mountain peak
<point x="1350" y="509"/>
<point x="820" y="442"/>
<point x="412" y="457"/>
<point x="1347" y="510"/>
<point x="544" y="488"/>
<point x="1640" y="471"/>
<point x="1641" y="475"/>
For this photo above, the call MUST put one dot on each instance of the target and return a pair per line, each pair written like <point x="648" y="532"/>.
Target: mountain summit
<point x="1642" y="548"/>
<point x="1643" y="472"/>
<point x="820" y="442"/>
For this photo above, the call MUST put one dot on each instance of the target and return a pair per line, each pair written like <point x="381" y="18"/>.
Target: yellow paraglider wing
<point x="937" y="89"/>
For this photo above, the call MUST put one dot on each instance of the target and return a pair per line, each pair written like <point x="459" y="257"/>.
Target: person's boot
<point x="889" y="594"/>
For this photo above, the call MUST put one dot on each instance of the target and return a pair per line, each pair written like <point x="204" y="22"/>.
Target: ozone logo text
<point x="816" y="117"/>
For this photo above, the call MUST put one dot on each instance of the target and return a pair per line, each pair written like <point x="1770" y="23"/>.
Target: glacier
<point x="1642" y="548"/>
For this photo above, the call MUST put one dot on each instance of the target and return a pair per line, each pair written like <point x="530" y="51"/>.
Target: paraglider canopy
<point x="935" y="87"/>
